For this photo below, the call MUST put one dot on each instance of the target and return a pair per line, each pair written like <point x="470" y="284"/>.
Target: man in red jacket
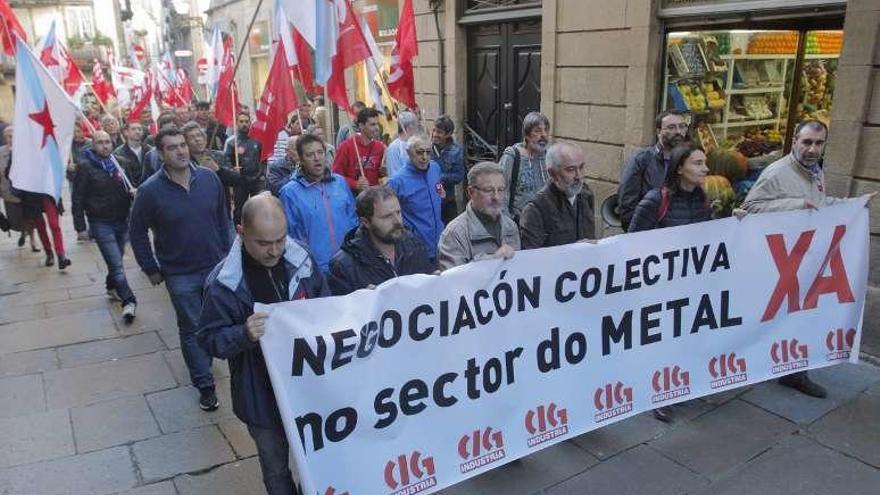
<point x="359" y="158"/>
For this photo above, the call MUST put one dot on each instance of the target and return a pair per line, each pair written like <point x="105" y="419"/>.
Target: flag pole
<point x="246" y="36"/>
<point x="234" y="127"/>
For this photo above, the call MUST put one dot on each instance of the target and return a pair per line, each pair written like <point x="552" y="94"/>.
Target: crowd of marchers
<point x="223" y="230"/>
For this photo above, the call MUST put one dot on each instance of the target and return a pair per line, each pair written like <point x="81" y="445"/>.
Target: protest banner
<point x="429" y="380"/>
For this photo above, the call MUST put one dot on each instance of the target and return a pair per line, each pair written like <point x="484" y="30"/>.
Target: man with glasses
<point x="420" y="192"/>
<point x="481" y="232"/>
<point x="646" y="169"/>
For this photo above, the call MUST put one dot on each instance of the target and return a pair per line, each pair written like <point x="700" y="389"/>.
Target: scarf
<point x="111" y="167"/>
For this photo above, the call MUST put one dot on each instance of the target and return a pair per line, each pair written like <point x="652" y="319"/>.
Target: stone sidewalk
<point x="91" y="406"/>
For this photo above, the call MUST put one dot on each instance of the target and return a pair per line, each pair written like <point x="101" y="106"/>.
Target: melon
<point x="733" y="165"/>
<point x="717" y="187"/>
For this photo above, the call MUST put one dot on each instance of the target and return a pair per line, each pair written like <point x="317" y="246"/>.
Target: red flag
<point x="9" y="26"/>
<point x="401" y="83"/>
<point x="303" y="70"/>
<point x="141" y="104"/>
<point x="277" y="101"/>
<point x="226" y="102"/>
<point x="351" y="48"/>
<point x="100" y="85"/>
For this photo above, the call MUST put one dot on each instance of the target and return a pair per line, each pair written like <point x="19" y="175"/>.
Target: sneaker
<point x="802" y="383"/>
<point x="128" y="312"/>
<point x="112" y="294"/>
<point x="63" y="262"/>
<point x="208" y="400"/>
<point x="50" y="259"/>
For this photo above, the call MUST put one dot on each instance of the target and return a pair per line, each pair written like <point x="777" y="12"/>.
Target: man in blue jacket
<point x="263" y="266"/>
<point x="449" y="155"/>
<point x="420" y="192"/>
<point x="318" y="203"/>
<point x="184" y="205"/>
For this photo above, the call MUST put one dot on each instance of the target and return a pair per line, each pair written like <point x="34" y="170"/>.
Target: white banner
<point x="429" y="380"/>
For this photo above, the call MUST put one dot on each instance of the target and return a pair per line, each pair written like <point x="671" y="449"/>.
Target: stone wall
<point x="854" y="141"/>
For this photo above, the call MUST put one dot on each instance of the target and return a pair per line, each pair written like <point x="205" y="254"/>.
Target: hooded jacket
<point x="319" y="214"/>
<point x="359" y="264"/>
<point x="420" y="202"/>
<point x="227" y="306"/>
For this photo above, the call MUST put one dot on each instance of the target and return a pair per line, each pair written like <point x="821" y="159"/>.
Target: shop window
<point x="79" y="22"/>
<point x="743" y="89"/>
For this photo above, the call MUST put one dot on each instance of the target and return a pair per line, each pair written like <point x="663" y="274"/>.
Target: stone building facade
<point x="601" y="67"/>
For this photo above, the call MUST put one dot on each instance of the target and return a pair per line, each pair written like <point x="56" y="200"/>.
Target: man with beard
<point x="103" y="193"/>
<point x="523" y="163"/>
<point x="646" y="169"/>
<point x="215" y="132"/>
<point x="420" y="192"/>
<point x="318" y="203"/>
<point x="132" y="154"/>
<point x="243" y="154"/>
<point x="213" y="160"/>
<point x="380" y="249"/>
<point x="482" y="232"/>
<point x="562" y="212"/>
<point x="794" y="182"/>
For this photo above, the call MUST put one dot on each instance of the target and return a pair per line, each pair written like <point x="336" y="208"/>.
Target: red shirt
<point x="346" y="161"/>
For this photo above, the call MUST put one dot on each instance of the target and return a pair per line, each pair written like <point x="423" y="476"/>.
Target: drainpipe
<point x="441" y="83"/>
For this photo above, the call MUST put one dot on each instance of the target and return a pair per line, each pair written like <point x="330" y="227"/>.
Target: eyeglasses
<point x="491" y="190"/>
<point x="422" y="152"/>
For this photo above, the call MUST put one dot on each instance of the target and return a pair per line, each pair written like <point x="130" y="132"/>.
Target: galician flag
<point x="44" y="120"/>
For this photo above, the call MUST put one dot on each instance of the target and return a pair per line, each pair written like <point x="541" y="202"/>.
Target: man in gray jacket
<point x="482" y="231"/>
<point x="794" y="182"/>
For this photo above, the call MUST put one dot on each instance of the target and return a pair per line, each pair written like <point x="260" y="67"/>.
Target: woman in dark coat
<point x="681" y="200"/>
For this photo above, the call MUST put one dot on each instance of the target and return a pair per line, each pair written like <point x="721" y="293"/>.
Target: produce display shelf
<point x="752" y="91"/>
<point x="745" y="123"/>
<point x="758" y="56"/>
<point x="813" y="56"/>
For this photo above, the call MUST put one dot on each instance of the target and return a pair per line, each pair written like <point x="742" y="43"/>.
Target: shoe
<point x="50" y="259"/>
<point x="208" y="400"/>
<point x="128" y="313"/>
<point x="21" y="241"/>
<point x="112" y="294"/>
<point x="63" y="262"/>
<point x="35" y="249"/>
<point x="802" y="383"/>
<point x="663" y="414"/>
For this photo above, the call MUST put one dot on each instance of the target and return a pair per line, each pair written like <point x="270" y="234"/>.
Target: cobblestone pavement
<point x="91" y="406"/>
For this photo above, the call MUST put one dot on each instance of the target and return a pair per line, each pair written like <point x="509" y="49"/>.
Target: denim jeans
<point x="273" y="450"/>
<point x="186" y="297"/>
<point x="111" y="238"/>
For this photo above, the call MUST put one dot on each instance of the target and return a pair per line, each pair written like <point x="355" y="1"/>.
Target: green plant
<point x="75" y="42"/>
<point x="101" y="40"/>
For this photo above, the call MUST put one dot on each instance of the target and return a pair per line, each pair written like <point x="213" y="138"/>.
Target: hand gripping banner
<point x="429" y="380"/>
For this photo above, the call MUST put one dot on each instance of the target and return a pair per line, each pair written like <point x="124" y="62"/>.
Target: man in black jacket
<point x="380" y="249"/>
<point x="214" y="160"/>
<point x="562" y="211"/>
<point x="243" y="154"/>
<point x="132" y="154"/>
<point x="102" y="191"/>
<point x="646" y="169"/>
<point x="263" y="266"/>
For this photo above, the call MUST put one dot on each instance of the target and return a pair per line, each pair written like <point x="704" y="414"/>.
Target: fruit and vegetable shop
<point x="747" y="81"/>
